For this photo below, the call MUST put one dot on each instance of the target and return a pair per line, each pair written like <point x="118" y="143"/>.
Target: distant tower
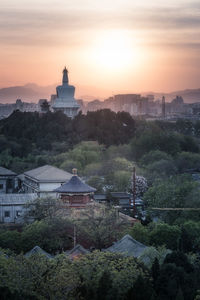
<point x="65" y="76"/>
<point x="163" y="107"/>
<point x="44" y="106"/>
<point x="64" y="99"/>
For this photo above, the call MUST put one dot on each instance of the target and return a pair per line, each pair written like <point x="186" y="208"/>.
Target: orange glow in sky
<point x="108" y="46"/>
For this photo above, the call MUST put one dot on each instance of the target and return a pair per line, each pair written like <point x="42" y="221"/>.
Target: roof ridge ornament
<point x="65" y="76"/>
<point x="74" y="171"/>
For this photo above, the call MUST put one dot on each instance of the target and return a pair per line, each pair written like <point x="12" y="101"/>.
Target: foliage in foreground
<point x="60" y="278"/>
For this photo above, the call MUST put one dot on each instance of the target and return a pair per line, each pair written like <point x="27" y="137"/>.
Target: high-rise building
<point x="64" y="100"/>
<point x="163" y="107"/>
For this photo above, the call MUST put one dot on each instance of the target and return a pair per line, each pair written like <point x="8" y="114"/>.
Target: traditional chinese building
<point x="43" y="180"/>
<point x="64" y="98"/>
<point x="75" y="193"/>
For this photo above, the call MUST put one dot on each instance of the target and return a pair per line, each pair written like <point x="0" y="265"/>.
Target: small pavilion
<point x="75" y="193"/>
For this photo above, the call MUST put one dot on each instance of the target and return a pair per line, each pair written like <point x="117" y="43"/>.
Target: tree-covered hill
<point x="24" y="132"/>
<point x="28" y="140"/>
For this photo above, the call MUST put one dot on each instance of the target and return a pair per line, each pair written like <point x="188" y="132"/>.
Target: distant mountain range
<point x="189" y="95"/>
<point x="32" y="92"/>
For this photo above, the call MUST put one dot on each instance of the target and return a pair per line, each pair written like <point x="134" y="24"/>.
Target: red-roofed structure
<point x="75" y="193"/>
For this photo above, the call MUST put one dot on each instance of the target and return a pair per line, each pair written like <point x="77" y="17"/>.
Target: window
<point x="7" y="214"/>
<point x="1" y="186"/>
<point x="18" y="213"/>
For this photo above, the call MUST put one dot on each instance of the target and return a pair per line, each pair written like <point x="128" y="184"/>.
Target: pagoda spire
<point x="65" y="76"/>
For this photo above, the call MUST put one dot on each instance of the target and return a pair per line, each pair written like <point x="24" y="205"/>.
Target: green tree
<point x="100" y="226"/>
<point x="185" y="242"/>
<point x="179" y="295"/>
<point x="160" y="169"/>
<point x="164" y="234"/>
<point x="10" y="240"/>
<point x="198" y="295"/>
<point x="155" y="140"/>
<point x="42" y="208"/>
<point x="154" y="156"/>
<point x="51" y="236"/>
<point x="187" y="161"/>
<point x="141" y="290"/>
<point x="192" y="230"/>
<point x="124" y="272"/>
<point x="155" y="270"/>
<point x="121" y="181"/>
<point x="140" y="233"/>
<point x="180" y="260"/>
<point x="96" y="182"/>
<point x="104" y="290"/>
<point x="151" y="253"/>
<point x="171" y="192"/>
<point x="93" y="169"/>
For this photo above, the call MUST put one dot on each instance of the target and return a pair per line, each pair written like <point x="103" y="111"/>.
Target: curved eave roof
<point x="75" y="186"/>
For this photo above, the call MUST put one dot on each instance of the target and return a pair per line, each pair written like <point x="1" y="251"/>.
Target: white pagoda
<point x="64" y="98"/>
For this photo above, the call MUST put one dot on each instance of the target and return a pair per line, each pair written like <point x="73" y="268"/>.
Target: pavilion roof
<point x="127" y="246"/>
<point x="75" y="185"/>
<point x="77" y="251"/>
<point x="37" y="250"/>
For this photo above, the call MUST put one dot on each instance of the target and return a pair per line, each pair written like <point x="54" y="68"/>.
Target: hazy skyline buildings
<point x="116" y="46"/>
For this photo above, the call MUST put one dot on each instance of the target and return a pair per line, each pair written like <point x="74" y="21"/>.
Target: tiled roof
<point x="127" y="246"/>
<point x="120" y="195"/>
<point x="48" y="174"/>
<point x="75" y="185"/>
<point x="76" y="251"/>
<point x="100" y="197"/>
<point x="4" y="171"/>
<point x="37" y="250"/>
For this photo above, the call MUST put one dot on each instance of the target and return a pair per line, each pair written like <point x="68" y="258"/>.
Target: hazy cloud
<point x="172" y="25"/>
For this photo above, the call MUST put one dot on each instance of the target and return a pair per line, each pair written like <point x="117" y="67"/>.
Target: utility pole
<point x="134" y="190"/>
<point x="74" y="235"/>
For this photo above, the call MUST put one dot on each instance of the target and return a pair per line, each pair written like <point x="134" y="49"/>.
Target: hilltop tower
<point x="64" y="99"/>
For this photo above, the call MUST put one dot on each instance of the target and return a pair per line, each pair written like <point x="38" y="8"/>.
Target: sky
<point x="109" y="46"/>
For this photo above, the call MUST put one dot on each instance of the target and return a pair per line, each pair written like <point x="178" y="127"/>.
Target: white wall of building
<point x="10" y="213"/>
<point x="49" y="187"/>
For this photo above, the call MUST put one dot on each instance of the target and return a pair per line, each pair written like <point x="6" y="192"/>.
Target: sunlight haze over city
<point x="113" y="46"/>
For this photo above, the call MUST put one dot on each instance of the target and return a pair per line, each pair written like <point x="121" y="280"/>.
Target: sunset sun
<point x="113" y="50"/>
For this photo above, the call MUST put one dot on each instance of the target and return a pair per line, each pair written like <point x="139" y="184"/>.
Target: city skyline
<point x="109" y="46"/>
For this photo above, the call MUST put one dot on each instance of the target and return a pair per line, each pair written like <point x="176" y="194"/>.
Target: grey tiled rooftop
<point x="6" y="172"/>
<point x="37" y="250"/>
<point x="75" y="185"/>
<point x="127" y="246"/>
<point x="48" y="174"/>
